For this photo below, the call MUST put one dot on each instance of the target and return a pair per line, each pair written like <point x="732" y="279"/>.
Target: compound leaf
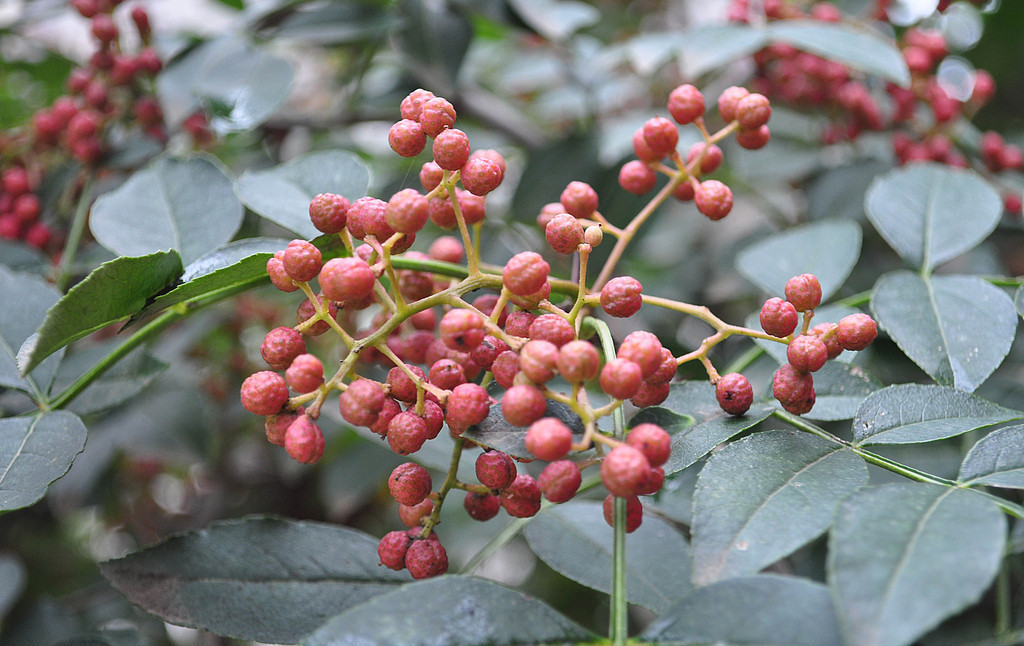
<point x="35" y="451"/>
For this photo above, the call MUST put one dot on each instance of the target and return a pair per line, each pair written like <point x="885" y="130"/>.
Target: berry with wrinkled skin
<point x="650" y="394"/>
<point x="451" y="149"/>
<point x="552" y="328"/>
<point x="560" y="480"/>
<point x="425" y="559"/>
<point x="578" y="361"/>
<point x="642" y="348"/>
<point x="343" y="279"/>
<point x="433" y="415"/>
<point x="362" y="400"/>
<point x="264" y="393"/>
<point x="521" y="499"/>
<point x="807" y="353"/>
<point x="410" y="483"/>
<point x="728" y="101"/>
<point x="304" y="441"/>
<point x="856" y="331"/>
<point x="392" y="549"/>
<point x="525" y="273"/>
<point x="549" y="439"/>
<point x="487" y="351"/>
<point x="713" y="199"/>
<point x="305" y="374"/>
<point x="685" y="103"/>
<point x="804" y="292"/>
<point x="301" y="260"/>
<point x="753" y="111"/>
<point x="278" y="275"/>
<point x="446" y="249"/>
<point x="801" y="406"/>
<point x="754" y="139"/>
<point x="734" y="393"/>
<point x="481" y="506"/>
<point x="412" y="105"/>
<point x="481" y="175"/>
<point x="790" y="385"/>
<point x="778" y="317"/>
<point x="407" y="211"/>
<point x="642" y="150"/>
<point x="411" y="515"/>
<point x="666" y="369"/>
<point x="711" y="160"/>
<point x="620" y="296"/>
<point x="307" y="310"/>
<point x="436" y="116"/>
<point x="467" y="405"/>
<point x="564" y="233"/>
<point x="652" y="440"/>
<point x="538" y="360"/>
<point x="661" y="135"/>
<point x="403" y="388"/>
<point x="652" y="482"/>
<point x="579" y="199"/>
<point x="495" y="470"/>
<point x="328" y="212"/>
<point x="505" y="368"/>
<point x="621" y="378"/>
<point x="430" y="175"/>
<point x="522" y="405"/>
<point x="446" y="374"/>
<point x="280" y="346"/>
<point x="406" y="138"/>
<point x="387" y="413"/>
<point x="462" y="329"/>
<point x="365" y="217"/>
<point x="634" y="512"/>
<point x="623" y="469"/>
<point x="277" y="425"/>
<point x="827" y="333"/>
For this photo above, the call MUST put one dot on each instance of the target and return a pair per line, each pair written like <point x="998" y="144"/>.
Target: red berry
<point x="277" y="425"/>
<point x="620" y="296"/>
<point x="305" y="374"/>
<point x="278" y="276"/>
<point x="437" y="115"/>
<point x="734" y="393"/>
<point x="579" y="199"/>
<point x="650" y="394"/>
<point x="634" y="512"/>
<point x="807" y="353"/>
<point x="538" y="360"/>
<point x="412" y="105"/>
<point x="467" y="405"/>
<point x="564" y="233"/>
<point x="642" y="150"/>
<point x="729" y="100"/>
<point x="302" y="260"/>
<point x="304" y="441"/>
<point x="462" y="329"/>
<point x="754" y="139"/>
<point x="620" y="378"/>
<point x="578" y="361"/>
<point x="644" y="349"/>
<point x="403" y="388"/>
<point x="652" y="482"/>
<point x="522" y="405"/>
<point x="827" y="333"/>
<point x="406" y="138"/>
<point x="412" y="515"/>
<point x="343" y="279"/>
<point x="280" y="346"/>
<point x="307" y="310"/>
<point x="426" y="558"/>
<point x="407" y="432"/>
<point x="637" y="177"/>
<point x="521" y="499"/>
<point x="487" y="351"/>
<point x="778" y="317"/>
<point x="549" y="439"/>
<point x="264" y="393"/>
<point x="407" y="211"/>
<point x="433" y="416"/>
<point x="495" y="470"/>
<point x="552" y="328"/>
<point x="451" y="149"/>
<point x="623" y="470"/>
<point x="410" y="483"/>
<point x="713" y="199"/>
<point x="753" y="111"/>
<point x="387" y="413"/>
<point x="684" y="192"/>
<point x="481" y="175"/>
<point x="652" y="440"/>
<point x="446" y="249"/>
<point x="362" y="400"/>
<point x="525" y="273"/>
<point x="481" y="506"/>
<point x="392" y="549"/>
<point x="711" y="160"/>
<point x="804" y="292"/>
<point x="666" y="370"/>
<point x="560" y="480"/>
<point x="446" y="374"/>
<point x="856" y="331"/>
<point x="518" y="323"/>
<point x="790" y="385"/>
<point x="685" y="103"/>
<point x="103" y="28"/>
<point x="431" y="175"/>
<point x="661" y="135"/>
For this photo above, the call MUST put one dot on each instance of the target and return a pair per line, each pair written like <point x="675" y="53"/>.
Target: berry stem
<point x="472" y="252"/>
<point x="323" y="313"/>
<point x="67" y="258"/>
<point x="398" y="304"/>
<point x="584" y="253"/>
<point x="450" y="481"/>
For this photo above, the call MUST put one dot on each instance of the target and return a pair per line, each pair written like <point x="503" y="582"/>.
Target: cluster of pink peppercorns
<point x="807" y="352"/>
<point x="743" y="112"/>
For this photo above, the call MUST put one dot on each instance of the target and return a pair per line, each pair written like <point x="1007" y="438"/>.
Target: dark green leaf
<point x="187" y="205"/>
<point x="765" y="610"/>
<point x="840" y="390"/>
<point x="931" y="213"/>
<point x="35" y="451"/>
<point x="449" y="610"/>
<point x="958" y="329"/>
<point x="245" y="86"/>
<point x="434" y="38"/>
<point x="997" y="460"/>
<point x="556" y="19"/>
<point x="905" y="556"/>
<point x="12" y="582"/>
<point x="18" y="256"/>
<point x="126" y="379"/>
<point x="855" y="47"/>
<point x="112" y="292"/>
<point x="828" y="249"/>
<point x="336" y="23"/>
<point x="709" y="47"/>
<point x="910" y="413"/>
<point x="575" y="540"/>
<point x="496" y="433"/>
<point x="696" y="421"/>
<point x="26" y="299"/>
<point x="762" y="497"/>
<point x="262" y="579"/>
<point x="839" y="192"/>
<point x="282" y="194"/>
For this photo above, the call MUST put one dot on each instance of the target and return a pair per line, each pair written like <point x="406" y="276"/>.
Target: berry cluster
<point x="454" y="361"/>
<point x="744" y="113"/>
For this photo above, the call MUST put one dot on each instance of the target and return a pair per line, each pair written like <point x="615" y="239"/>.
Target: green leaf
<point x="766" y="610"/>
<point x="696" y="421"/>
<point x="911" y="413"/>
<point x="496" y="433"/>
<point x="858" y="48"/>
<point x="709" y="47"/>
<point x="12" y="582"/>
<point x="575" y="540"/>
<point x="244" y="85"/>
<point x="839" y="192"/>
<point x="335" y="24"/>
<point x="262" y="579"/>
<point x="282" y="194"/>
<point x="233" y="266"/>
<point x="556" y="19"/>
<point x="126" y="379"/>
<point x="26" y="299"/>
<point x="112" y="292"/>
<point x="35" y="451"/>
<point x="931" y="213"/>
<point x="997" y="460"/>
<point x="829" y="249"/>
<point x="187" y="205"/>
<point x="905" y="556"/>
<point x="840" y="390"/>
<point x="958" y="329"/>
<point x="434" y="38"/>
<point x="449" y="610"/>
<point x="762" y="497"/>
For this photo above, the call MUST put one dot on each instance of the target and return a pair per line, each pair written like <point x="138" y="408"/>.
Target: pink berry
<point x="734" y="393"/>
<point x="446" y="374"/>
<point x="495" y="470"/>
<point x="564" y="233"/>
<point x="521" y="499"/>
<point x="278" y="275"/>
<point x="856" y="331"/>
<point x="451" y="149"/>
<point x="343" y="279"/>
<point x="304" y="441"/>
<point x="407" y="211"/>
<point x="392" y="549"/>
<point x="525" y="273"/>
<point x="729" y="100"/>
<point x="410" y="483"/>
<point x="634" y="512"/>
<point x="467" y="405"/>
<point x="552" y="328"/>
<point x="652" y="440"/>
<point x="522" y="405"/>
<point x="685" y="103"/>
<point x="264" y="393"/>
<point x="620" y="296"/>
<point x="436" y="116"/>
<point x="807" y="353"/>
<point x="407" y="432"/>
<point x="406" y="138"/>
<point x="412" y="105"/>
<point x="754" y="139"/>
<point x="277" y="425"/>
<point x="538" y="360"/>
<point x="711" y="160"/>
<point x="560" y="480"/>
<point x="305" y="374"/>
<point x="804" y="292"/>
<point x="462" y="329"/>
<point x="623" y="470"/>
<point x="549" y="439"/>
<point x="280" y="346"/>
<point x="650" y="394"/>
<point x="579" y="199"/>
<point x="637" y="177"/>
<point x="661" y="135"/>
<point x="481" y="175"/>
<point x="620" y="378"/>
<point x="753" y="111"/>
<point x="713" y="199"/>
<point x="413" y="515"/>
<point x="362" y="400"/>
<point x="302" y="260"/>
<point x="778" y="317"/>
<point x="425" y="559"/>
<point x="328" y="212"/>
<point x="578" y="361"/>
<point x="642" y="348"/>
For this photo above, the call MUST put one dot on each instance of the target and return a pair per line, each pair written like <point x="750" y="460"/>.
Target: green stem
<point x="1004" y="613"/>
<point x="67" y="258"/>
